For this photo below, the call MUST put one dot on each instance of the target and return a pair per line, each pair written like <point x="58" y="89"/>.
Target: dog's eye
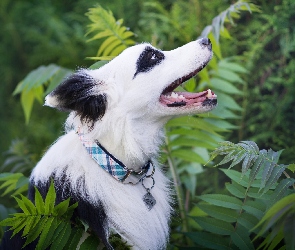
<point x="154" y="56"/>
<point x="148" y="59"/>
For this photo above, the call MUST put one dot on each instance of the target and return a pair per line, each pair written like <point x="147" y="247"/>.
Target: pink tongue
<point x="189" y="98"/>
<point x="189" y="95"/>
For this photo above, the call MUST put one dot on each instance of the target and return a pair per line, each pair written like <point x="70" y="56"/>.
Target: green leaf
<point x="30" y="206"/>
<point x="192" y="122"/>
<point x="39" y="203"/>
<point x="27" y="100"/>
<point x="236" y="190"/>
<point x="291" y="167"/>
<point x="63" y="236"/>
<point x="256" y="167"/>
<point x="229" y="76"/>
<point x="91" y="243"/>
<point x="98" y="64"/>
<point x="22" y="181"/>
<point x="206" y="240"/>
<point x="221" y="213"/>
<point x="184" y="141"/>
<point x="22" y="206"/>
<point x="275" y="175"/>
<point x="197" y="134"/>
<point x="214" y="225"/>
<point x="255" y="208"/>
<point x="61" y="208"/>
<point x="33" y="235"/>
<point x="289" y="231"/>
<point x="224" y="86"/>
<point x="106" y="26"/>
<point x="277" y="207"/>
<point x="75" y="238"/>
<point x="57" y="78"/>
<point x="248" y="221"/>
<point x="281" y="189"/>
<point x="226" y="64"/>
<point x="267" y="170"/>
<point x="241" y="239"/>
<point x="238" y="158"/>
<point x="188" y="156"/>
<point x="32" y="221"/>
<point x="222" y="200"/>
<point x="10" y="221"/>
<point x="17" y="227"/>
<point x="44" y="239"/>
<point x="248" y="161"/>
<point x="236" y="176"/>
<point x="50" y="199"/>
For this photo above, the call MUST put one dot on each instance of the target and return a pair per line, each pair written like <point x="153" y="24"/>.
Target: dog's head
<point x="139" y="81"/>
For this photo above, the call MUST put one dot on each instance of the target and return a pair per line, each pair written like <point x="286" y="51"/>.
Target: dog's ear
<point x="79" y="93"/>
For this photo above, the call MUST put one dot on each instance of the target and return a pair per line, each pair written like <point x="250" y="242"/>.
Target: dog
<point x="106" y="160"/>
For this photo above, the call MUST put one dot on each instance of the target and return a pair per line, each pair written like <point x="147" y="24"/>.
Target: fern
<point x="104" y="25"/>
<point x="233" y="12"/>
<point x="44" y="220"/>
<point x="238" y="218"/>
<point x="18" y="157"/>
<point x="13" y="183"/>
<point x="51" y="224"/>
<point x="261" y="162"/>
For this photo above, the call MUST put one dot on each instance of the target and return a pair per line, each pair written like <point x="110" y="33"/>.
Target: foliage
<point x="266" y="42"/>
<point x="13" y="182"/>
<point x="51" y="224"/>
<point x="32" y="87"/>
<point x="18" y="158"/>
<point x="104" y="25"/>
<point x="256" y="205"/>
<point x="190" y="139"/>
<point x="266" y="45"/>
<point x="35" y="33"/>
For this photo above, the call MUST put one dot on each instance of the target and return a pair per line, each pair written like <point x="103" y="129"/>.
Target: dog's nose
<point x="206" y="42"/>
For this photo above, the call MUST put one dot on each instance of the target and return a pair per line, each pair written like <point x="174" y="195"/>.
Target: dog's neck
<point x="132" y="141"/>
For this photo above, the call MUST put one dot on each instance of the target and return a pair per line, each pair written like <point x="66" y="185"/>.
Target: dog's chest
<point x="125" y="210"/>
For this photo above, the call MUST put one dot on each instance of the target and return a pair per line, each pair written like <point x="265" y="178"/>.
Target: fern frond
<point x="231" y="13"/>
<point x="104" y="25"/>
<point x="283" y="215"/>
<point x="13" y="182"/>
<point x="262" y="162"/>
<point x="44" y="220"/>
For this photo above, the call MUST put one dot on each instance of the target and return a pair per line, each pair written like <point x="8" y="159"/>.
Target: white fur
<point x="132" y="130"/>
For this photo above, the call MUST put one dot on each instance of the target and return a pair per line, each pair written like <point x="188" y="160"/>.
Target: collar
<point x="111" y="164"/>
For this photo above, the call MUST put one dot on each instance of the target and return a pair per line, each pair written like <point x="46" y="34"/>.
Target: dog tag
<point x="149" y="200"/>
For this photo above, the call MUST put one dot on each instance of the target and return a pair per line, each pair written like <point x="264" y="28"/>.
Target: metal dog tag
<point x="149" y="200"/>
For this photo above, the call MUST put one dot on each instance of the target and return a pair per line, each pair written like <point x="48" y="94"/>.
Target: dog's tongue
<point x="186" y="97"/>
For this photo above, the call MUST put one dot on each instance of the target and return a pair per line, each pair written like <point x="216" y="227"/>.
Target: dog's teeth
<point x="174" y="95"/>
<point x="181" y="97"/>
<point x="209" y="93"/>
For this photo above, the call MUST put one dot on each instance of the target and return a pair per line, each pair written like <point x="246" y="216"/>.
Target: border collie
<point x="106" y="161"/>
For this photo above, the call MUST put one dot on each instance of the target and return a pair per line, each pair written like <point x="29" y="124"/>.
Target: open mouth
<point x="180" y="99"/>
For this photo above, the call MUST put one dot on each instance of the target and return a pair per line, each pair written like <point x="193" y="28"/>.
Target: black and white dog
<point x="107" y="159"/>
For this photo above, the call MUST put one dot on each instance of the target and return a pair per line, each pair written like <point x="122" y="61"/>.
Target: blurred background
<point x="41" y="32"/>
<point x="260" y="43"/>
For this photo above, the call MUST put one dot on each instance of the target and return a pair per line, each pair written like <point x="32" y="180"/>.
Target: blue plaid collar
<point x="111" y="164"/>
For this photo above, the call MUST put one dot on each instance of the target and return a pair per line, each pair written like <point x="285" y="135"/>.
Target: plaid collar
<point x="110" y="163"/>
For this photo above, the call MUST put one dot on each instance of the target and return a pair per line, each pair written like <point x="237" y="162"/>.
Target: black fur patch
<point x="93" y="214"/>
<point x="148" y="59"/>
<point x="76" y="94"/>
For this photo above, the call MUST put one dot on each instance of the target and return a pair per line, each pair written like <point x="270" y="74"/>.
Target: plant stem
<point x="178" y="190"/>
<point x="288" y="176"/>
